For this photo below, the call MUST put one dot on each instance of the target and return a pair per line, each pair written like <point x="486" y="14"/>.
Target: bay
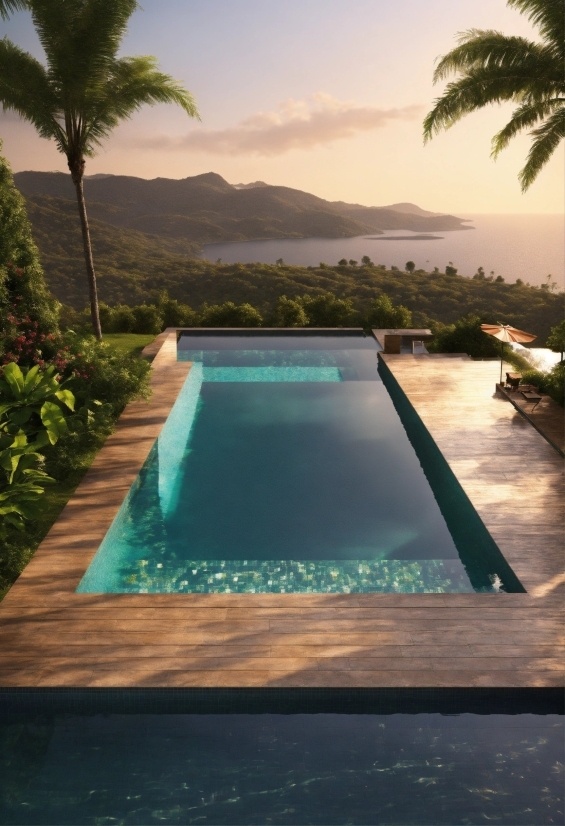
<point x="529" y="247"/>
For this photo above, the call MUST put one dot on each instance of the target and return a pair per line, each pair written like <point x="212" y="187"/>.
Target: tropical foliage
<point x="24" y="298"/>
<point x="383" y="314"/>
<point x="278" y="295"/>
<point x="32" y="404"/>
<point x="551" y="382"/>
<point x="556" y="339"/>
<point x="8" y="6"/>
<point x="493" y="68"/>
<point x="465" y="336"/>
<point x="85" y="90"/>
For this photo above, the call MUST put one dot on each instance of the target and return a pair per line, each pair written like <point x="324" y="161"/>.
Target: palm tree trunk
<point x="90" y="274"/>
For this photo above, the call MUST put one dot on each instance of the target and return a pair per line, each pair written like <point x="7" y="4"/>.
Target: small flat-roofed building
<point x="403" y="340"/>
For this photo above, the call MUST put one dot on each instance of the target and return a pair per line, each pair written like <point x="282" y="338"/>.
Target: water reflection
<point x="281" y="769"/>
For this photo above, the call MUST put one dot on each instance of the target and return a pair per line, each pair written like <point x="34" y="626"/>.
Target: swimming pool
<point x="292" y="463"/>
<point x="354" y="756"/>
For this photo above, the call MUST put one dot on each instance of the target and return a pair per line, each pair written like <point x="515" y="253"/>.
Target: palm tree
<point x="494" y="68"/>
<point x="85" y="90"/>
<point x="7" y="6"/>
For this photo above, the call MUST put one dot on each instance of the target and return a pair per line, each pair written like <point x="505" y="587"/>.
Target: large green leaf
<point x="53" y="421"/>
<point x="32" y="379"/>
<point x="21" y="415"/>
<point x="67" y="398"/>
<point x="14" y="378"/>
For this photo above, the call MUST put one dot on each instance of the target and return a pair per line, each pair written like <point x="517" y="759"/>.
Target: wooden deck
<point x="547" y="417"/>
<point x="52" y="636"/>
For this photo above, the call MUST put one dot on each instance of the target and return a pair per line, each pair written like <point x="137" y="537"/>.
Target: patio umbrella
<point x="504" y="332"/>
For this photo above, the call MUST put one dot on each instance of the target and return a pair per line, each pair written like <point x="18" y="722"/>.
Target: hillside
<point x="207" y="209"/>
<point x="138" y="253"/>
<point x="131" y="272"/>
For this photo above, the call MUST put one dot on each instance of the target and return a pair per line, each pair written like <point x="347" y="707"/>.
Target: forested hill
<point x="132" y="269"/>
<point x="206" y="209"/>
<point x="137" y="257"/>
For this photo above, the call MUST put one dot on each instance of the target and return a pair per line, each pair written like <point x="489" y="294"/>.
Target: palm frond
<point x="25" y="89"/>
<point x="81" y="39"/>
<point x="548" y="16"/>
<point x="524" y="117"/>
<point x="9" y="6"/>
<point x="132" y="83"/>
<point x="480" y="87"/>
<point x="490" y="49"/>
<point x="546" y="140"/>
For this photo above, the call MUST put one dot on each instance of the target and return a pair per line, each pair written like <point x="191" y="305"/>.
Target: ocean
<point x="530" y="247"/>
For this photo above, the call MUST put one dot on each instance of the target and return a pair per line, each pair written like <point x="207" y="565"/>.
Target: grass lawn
<point x="128" y="343"/>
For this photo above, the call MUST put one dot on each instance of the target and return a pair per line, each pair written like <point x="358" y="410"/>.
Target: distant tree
<point x="493" y="68"/>
<point x="410" y="266"/>
<point x="230" y="315"/>
<point x="366" y="261"/>
<point x="148" y="319"/>
<point x="175" y="314"/>
<point x="24" y="298"/>
<point x="279" y="262"/>
<point x="436" y="270"/>
<point x="556" y="340"/>
<point x="121" y="320"/>
<point x="499" y="279"/>
<point x="480" y="274"/>
<point x="85" y="90"/>
<point x="549" y="284"/>
<point x="465" y="336"/>
<point x="289" y="313"/>
<point x="342" y="262"/>
<point x="450" y="269"/>
<point x="352" y="262"/>
<point x="383" y="314"/>
<point x="326" y="310"/>
<point x="394" y="268"/>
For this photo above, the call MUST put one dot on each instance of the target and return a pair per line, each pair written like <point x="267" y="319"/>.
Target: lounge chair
<point x="513" y="380"/>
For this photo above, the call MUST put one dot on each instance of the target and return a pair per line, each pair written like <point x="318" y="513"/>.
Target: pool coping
<point x="51" y="636"/>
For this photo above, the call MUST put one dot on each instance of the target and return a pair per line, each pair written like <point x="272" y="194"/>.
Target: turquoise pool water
<point x="288" y="465"/>
<point x="328" y="758"/>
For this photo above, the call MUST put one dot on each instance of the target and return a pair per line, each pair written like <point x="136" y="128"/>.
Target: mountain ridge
<point x="207" y="209"/>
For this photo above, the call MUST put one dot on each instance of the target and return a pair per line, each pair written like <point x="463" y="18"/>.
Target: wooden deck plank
<point x="52" y="636"/>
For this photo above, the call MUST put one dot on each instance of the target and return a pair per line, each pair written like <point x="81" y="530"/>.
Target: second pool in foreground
<point x="287" y="464"/>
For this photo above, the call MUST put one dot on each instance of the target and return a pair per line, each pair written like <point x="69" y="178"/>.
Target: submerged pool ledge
<point x="51" y="637"/>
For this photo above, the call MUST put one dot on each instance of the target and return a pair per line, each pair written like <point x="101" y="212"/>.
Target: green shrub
<point x="326" y="310"/>
<point x="123" y="320"/>
<point x="148" y="319"/>
<point x="465" y="336"/>
<point x="230" y="315"/>
<point x="98" y="372"/>
<point x="175" y="314"/>
<point x="383" y="314"/>
<point x="289" y="313"/>
<point x="556" y="339"/>
<point x="24" y="300"/>
<point x="33" y="404"/>
<point x="552" y="382"/>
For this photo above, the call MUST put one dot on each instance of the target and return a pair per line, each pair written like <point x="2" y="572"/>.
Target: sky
<point x="327" y="96"/>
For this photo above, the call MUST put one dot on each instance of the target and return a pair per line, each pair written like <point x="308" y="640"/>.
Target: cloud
<point x="296" y="124"/>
